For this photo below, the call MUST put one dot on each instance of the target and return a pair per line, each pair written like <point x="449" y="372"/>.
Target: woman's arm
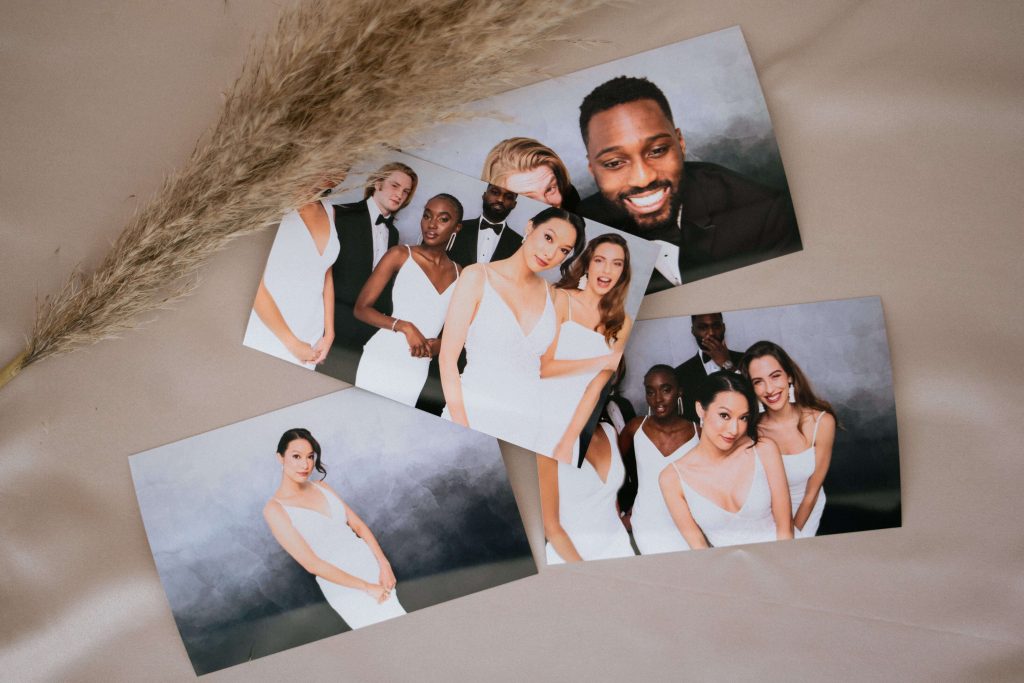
<point x="672" y="492"/>
<point x="591" y="395"/>
<point x="822" y="459"/>
<point x="323" y="346"/>
<point x="778" y="485"/>
<point x="295" y="545"/>
<point x="267" y="310"/>
<point x="547" y="475"/>
<point x="364" y="311"/>
<point x="461" y="311"/>
<point x="358" y="526"/>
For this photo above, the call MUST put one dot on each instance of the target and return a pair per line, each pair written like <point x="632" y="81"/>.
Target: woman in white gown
<point x="327" y="538"/>
<point x="396" y="359"/>
<point x="502" y="314"/>
<point x="731" y="489"/>
<point x="293" y="313"/>
<point x="652" y="442"/>
<point x="792" y="411"/>
<point x="592" y="331"/>
<point x="578" y="505"/>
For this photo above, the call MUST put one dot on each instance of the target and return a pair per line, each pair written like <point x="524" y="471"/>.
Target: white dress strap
<point x="817" y="422"/>
<point x="409" y="249"/>
<point x="568" y="298"/>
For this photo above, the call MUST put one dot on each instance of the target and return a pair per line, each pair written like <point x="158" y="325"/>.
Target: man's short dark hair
<point x="619" y="90"/>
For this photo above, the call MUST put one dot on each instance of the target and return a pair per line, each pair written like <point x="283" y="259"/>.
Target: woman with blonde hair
<point x="530" y="168"/>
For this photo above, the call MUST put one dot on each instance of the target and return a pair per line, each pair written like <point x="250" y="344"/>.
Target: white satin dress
<point x="294" y="276"/>
<point x="799" y="468"/>
<point x="654" y="530"/>
<point x="586" y="508"/>
<point x="386" y="366"/>
<point x="332" y="540"/>
<point x="561" y="395"/>
<point x="752" y="523"/>
<point x="501" y="381"/>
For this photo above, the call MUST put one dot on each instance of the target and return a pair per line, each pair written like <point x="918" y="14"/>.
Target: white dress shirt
<point x="667" y="262"/>
<point x="487" y="241"/>
<point x="378" y="230"/>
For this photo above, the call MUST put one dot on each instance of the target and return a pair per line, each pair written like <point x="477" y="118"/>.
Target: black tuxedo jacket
<point x="464" y="247"/>
<point x="728" y="221"/>
<point x="350" y="272"/>
<point x="690" y="375"/>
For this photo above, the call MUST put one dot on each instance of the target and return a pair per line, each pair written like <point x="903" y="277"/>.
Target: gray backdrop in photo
<point x="435" y="495"/>
<point x="842" y="348"/>
<point x="709" y="81"/>
<point x="434" y="179"/>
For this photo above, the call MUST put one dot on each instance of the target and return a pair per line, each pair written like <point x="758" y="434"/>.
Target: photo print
<point x="450" y="294"/>
<point x="674" y="145"/>
<point x="326" y="516"/>
<point x="733" y="428"/>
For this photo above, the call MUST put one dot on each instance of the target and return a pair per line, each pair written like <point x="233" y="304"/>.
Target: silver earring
<point x="679" y="403"/>
<point x="451" y="241"/>
<point x="648" y="411"/>
<point x="583" y="282"/>
<point x="760" y="407"/>
<point x="700" y="421"/>
<point x="792" y="393"/>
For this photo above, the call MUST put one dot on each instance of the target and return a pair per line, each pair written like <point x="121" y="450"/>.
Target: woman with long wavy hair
<point x="592" y="331"/>
<point x="803" y="425"/>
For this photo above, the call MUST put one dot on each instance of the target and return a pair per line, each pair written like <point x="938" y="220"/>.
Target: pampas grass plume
<point x="333" y="84"/>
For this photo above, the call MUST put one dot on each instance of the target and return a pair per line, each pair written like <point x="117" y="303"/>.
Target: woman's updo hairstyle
<point x="302" y="433"/>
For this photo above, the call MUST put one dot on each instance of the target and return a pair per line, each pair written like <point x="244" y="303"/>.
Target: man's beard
<point x="664" y="226"/>
<point x="495" y="215"/>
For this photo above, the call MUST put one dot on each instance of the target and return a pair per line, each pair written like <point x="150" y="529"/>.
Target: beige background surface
<point x="900" y="127"/>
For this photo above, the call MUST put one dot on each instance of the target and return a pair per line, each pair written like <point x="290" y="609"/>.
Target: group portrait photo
<point x="731" y="428"/>
<point x="674" y="145"/>
<point x="298" y="525"/>
<point x="454" y="295"/>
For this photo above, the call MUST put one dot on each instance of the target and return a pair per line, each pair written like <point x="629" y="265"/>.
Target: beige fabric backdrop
<point x="900" y="127"/>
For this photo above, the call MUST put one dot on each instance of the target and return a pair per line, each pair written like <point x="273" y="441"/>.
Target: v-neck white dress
<point x="752" y="523"/>
<point x="586" y="508"/>
<point x="654" y="530"/>
<point x="501" y="382"/>
<point x="294" y="276"/>
<point x="799" y="468"/>
<point x="386" y="366"/>
<point x="333" y="541"/>
<point x="561" y="395"/>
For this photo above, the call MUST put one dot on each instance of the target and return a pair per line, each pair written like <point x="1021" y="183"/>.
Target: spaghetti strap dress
<point x="654" y="530"/>
<point x="333" y="541"/>
<point x="386" y="366"/>
<point x="799" y="468"/>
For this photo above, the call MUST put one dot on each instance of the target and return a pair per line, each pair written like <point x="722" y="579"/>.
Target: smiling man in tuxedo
<point x="708" y="330"/>
<point x="366" y="231"/>
<point x="706" y="218"/>
<point x="489" y="237"/>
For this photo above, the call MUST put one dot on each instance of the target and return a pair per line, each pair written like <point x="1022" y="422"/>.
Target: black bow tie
<point x="485" y="225"/>
<point x="705" y="358"/>
<point x="389" y="221"/>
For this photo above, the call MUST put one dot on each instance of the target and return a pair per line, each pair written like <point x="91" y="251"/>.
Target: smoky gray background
<point x="842" y="348"/>
<point x="709" y="81"/>
<point x="434" y="179"/>
<point x="435" y="495"/>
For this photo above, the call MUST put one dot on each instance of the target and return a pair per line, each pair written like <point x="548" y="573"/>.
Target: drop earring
<point x="679" y="403"/>
<point x="648" y="411"/>
<point x="583" y="282"/>
<point x="792" y="393"/>
<point x="760" y="407"/>
<point x="451" y="242"/>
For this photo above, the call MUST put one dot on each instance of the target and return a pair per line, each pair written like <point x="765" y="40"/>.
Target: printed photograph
<point x="674" y="145"/>
<point x="453" y="295"/>
<point x="731" y="428"/>
<point x="326" y="516"/>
